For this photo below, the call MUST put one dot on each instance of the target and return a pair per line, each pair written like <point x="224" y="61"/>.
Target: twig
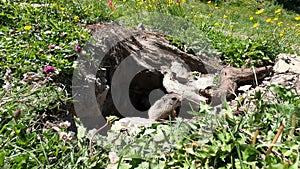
<point x="4" y="142"/>
<point x="255" y="78"/>
<point x="293" y="127"/>
<point x="275" y="140"/>
<point x="91" y="140"/>
<point x="254" y="138"/>
<point x="273" y="151"/>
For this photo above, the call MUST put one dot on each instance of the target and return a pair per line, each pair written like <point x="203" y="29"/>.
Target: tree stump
<point x="129" y="69"/>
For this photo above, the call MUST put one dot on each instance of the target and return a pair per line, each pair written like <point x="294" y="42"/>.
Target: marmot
<point x="165" y="107"/>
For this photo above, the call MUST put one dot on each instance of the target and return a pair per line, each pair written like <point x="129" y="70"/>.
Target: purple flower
<point x="77" y="48"/>
<point x="49" y="69"/>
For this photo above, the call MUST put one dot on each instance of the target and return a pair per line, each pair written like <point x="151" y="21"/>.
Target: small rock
<point x="287" y="63"/>
<point x="281" y="66"/>
<point x="131" y="122"/>
<point x="244" y="88"/>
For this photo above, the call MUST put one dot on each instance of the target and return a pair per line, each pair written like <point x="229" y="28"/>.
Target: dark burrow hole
<point x="142" y="85"/>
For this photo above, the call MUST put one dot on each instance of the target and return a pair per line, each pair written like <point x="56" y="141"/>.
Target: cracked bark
<point x="155" y="55"/>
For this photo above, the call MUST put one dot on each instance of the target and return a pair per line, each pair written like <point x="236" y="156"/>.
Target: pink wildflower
<point x="51" y="46"/>
<point x="49" y="69"/>
<point x="110" y="3"/>
<point x="77" y="48"/>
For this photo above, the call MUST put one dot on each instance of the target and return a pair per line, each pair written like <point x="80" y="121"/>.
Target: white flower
<point x="113" y="157"/>
<point x="66" y="136"/>
<point x="65" y="124"/>
<point x="74" y="42"/>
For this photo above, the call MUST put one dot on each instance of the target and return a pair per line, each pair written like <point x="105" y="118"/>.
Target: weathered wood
<point x="164" y="67"/>
<point x="230" y="77"/>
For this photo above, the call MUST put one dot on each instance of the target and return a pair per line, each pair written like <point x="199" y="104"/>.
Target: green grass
<point x="32" y="37"/>
<point x="232" y="31"/>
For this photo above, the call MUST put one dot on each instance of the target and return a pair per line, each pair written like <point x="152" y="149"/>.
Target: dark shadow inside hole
<point x="142" y="85"/>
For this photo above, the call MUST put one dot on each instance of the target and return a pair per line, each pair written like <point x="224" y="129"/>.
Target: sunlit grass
<point x="42" y="39"/>
<point x="270" y="24"/>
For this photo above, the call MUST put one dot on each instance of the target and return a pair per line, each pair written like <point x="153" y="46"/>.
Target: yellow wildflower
<point x="223" y="25"/>
<point x="27" y="27"/>
<point x="217" y="24"/>
<point x="255" y="25"/>
<point x="209" y="2"/>
<point x="259" y="11"/>
<point x="124" y="0"/>
<point x="279" y="24"/>
<point x="278" y="11"/>
<point x="281" y="34"/>
<point x="251" y="18"/>
<point x="192" y="6"/>
<point x="275" y="19"/>
<point x="62" y="8"/>
<point x="216" y="7"/>
<point x="297" y="18"/>
<point x="183" y="1"/>
<point x="76" y="18"/>
<point x="268" y="20"/>
<point x="225" y="16"/>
